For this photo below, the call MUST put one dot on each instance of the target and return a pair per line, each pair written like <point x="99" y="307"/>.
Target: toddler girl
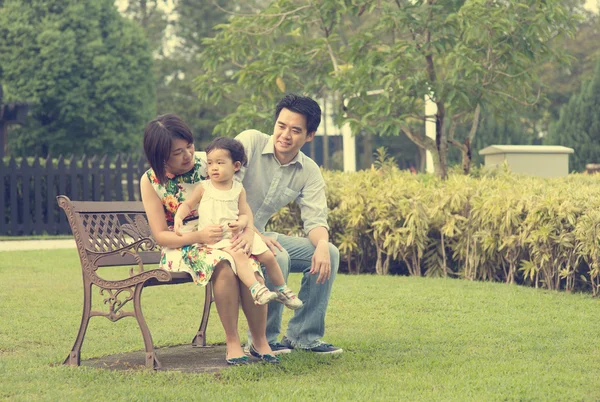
<point x="221" y="200"/>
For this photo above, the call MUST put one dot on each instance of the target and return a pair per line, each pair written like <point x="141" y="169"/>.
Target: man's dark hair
<point x="303" y="105"/>
<point x="158" y="137"/>
<point x="234" y="147"/>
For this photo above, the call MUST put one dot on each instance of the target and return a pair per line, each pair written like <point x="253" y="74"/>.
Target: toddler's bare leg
<point x="273" y="270"/>
<point x="284" y="294"/>
<point x="244" y="272"/>
<point x="259" y="291"/>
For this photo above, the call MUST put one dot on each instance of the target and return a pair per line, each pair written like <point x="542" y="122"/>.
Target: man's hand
<point x="243" y="241"/>
<point x="321" y="262"/>
<point x="272" y="244"/>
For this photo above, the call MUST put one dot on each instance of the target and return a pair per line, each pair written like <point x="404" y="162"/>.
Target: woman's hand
<point x="177" y="226"/>
<point x="211" y="234"/>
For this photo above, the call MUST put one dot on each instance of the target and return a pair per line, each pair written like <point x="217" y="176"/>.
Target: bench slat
<point x="114" y="207"/>
<point x="148" y="257"/>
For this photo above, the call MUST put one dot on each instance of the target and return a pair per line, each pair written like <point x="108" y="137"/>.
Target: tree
<point x="151" y="18"/>
<point x="562" y="82"/>
<point x="86" y="71"/>
<point x="175" y="31"/>
<point x="579" y="124"/>
<point x="381" y="58"/>
<point x="195" y="21"/>
<point x="530" y="125"/>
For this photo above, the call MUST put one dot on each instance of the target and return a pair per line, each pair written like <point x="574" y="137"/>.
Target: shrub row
<point x="489" y="226"/>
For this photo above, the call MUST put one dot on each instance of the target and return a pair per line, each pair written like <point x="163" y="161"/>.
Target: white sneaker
<point x="263" y="295"/>
<point x="289" y="299"/>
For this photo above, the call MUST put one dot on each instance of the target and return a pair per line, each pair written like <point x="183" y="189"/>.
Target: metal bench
<point x="110" y="234"/>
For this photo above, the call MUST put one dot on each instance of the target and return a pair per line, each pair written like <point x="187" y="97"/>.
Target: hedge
<point x="493" y="225"/>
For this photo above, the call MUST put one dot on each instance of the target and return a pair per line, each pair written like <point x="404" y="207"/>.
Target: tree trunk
<point x="368" y="149"/>
<point x="467" y="150"/>
<point x="466" y="156"/>
<point x="378" y="263"/>
<point x="325" y="138"/>
<point x="444" y="266"/>
<point x="441" y="141"/>
<point x="144" y="14"/>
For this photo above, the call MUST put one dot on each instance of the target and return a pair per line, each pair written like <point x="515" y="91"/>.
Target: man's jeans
<point x="307" y="326"/>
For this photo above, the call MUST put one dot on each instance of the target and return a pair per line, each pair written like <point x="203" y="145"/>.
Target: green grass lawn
<point x="404" y="339"/>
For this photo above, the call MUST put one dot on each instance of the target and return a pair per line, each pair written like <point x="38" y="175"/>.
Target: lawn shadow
<point x="182" y="358"/>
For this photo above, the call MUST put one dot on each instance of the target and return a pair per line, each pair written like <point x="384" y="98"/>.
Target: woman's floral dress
<point x="197" y="259"/>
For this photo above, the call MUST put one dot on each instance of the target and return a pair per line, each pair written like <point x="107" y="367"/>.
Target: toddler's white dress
<point x="221" y="207"/>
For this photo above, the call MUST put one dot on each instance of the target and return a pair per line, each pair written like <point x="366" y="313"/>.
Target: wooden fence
<point x="31" y="186"/>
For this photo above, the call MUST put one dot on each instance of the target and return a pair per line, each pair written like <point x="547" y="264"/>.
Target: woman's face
<point x="181" y="159"/>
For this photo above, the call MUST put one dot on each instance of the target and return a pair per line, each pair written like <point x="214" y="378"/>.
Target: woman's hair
<point x="234" y="147"/>
<point x="158" y="137"/>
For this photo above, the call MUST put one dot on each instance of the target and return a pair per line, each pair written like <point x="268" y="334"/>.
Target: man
<point x="278" y="173"/>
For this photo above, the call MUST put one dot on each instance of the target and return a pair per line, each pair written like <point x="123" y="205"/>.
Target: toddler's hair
<point x="234" y="147"/>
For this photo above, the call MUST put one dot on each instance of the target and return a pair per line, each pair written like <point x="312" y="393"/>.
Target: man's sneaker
<point x="263" y="295"/>
<point x="325" y="349"/>
<point x="321" y="348"/>
<point x="276" y="347"/>
<point x="289" y="299"/>
<point x="279" y="349"/>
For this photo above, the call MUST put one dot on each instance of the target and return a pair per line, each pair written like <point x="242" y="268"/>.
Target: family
<point x="209" y="216"/>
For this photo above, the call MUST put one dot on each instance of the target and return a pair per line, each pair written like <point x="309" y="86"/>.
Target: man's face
<point x="289" y="135"/>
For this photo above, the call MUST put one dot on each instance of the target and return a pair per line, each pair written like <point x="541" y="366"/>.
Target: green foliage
<point x="151" y="18"/>
<point x="493" y="226"/>
<point x="85" y="69"/>
<point x="382" y="58"/>
<point x="579" y="124"/>
<point x="176" y="60"/>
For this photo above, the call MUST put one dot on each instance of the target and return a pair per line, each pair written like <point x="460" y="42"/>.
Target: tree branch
<point x="458" y="145"/>
<point x="258" y="14"/>
<point x="267" y="31"/>
<point x="329" y="48"/>
<point x="475" y="124"/>
<point x="522" y="102"/>
<point x="421" y="140"/>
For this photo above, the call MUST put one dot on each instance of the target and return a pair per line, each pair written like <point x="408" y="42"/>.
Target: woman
<point x="174" y="173"/>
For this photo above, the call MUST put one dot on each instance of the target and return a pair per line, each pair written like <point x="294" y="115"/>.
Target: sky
<point x="592" y="5"/>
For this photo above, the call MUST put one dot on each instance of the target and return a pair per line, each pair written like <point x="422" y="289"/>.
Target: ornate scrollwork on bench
<point x="115" y="303"/>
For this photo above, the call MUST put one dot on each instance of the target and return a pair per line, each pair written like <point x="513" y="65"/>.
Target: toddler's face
<point x="221" y="167"/>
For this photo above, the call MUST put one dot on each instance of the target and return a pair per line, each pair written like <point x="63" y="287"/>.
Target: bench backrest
<point x="101" y="229"/>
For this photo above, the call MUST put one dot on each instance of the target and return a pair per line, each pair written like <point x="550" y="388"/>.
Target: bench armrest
<point x="128" y="255"/>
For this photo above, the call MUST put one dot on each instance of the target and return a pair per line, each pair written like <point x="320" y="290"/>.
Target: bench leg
<point x="151" y="359"/>
<point x="74" y="358"/>
<point x="200" y="338"/>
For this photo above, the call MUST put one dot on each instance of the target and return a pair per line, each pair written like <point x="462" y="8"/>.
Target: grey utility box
<point x="537" y="160"/>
